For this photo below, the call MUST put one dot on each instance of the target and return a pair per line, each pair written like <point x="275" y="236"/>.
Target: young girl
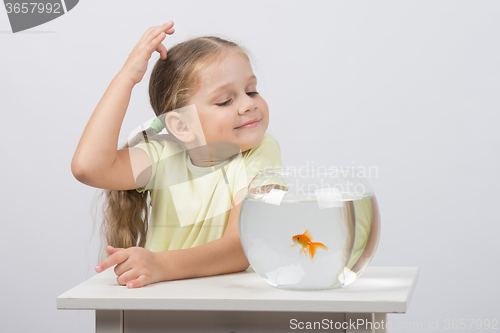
<point x="203" y="92"/>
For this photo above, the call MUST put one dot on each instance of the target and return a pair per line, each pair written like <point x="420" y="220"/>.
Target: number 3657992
<point x="33" y="7"/>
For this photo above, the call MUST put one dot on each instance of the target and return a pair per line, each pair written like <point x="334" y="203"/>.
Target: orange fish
<point x="304" y="242"/>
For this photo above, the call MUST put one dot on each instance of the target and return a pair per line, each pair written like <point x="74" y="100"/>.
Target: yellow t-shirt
<point x="191" y="204"/>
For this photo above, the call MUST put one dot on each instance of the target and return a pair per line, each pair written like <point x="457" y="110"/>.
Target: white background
<point x="409" y="87"/>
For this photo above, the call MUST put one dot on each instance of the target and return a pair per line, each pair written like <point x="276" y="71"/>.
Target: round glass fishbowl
<point x="309" y="228"/>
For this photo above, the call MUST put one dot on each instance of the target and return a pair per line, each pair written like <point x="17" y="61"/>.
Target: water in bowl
<point x="349" y="228"/>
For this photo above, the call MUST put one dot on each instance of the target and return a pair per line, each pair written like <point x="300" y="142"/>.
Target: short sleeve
<point x="154" y="150"/>
<point x="266" y="155"/>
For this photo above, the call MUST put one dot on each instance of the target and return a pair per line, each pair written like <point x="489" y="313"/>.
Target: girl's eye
<point x="225" y="103"/>
<point x="251" y="94"/>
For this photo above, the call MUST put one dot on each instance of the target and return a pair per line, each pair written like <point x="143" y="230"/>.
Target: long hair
<point x="173" y="81"/>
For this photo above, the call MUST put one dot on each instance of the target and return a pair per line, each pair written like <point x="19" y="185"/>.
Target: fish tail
<point x="313" y="246"/>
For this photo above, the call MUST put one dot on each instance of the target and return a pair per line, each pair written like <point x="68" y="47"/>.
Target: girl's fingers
<point x="160" y="48"/>
<point x="156" y="44"/>
<point x="153" y="32"/>
<point x="111" y="250"/>
<point x="145" y="36"/>
<point x="141" y="281"/>
<point x="123" y="267"/>
<point x="114" y="259"/>
<point x="132" y="276"/>
<point x="126" y="275"/>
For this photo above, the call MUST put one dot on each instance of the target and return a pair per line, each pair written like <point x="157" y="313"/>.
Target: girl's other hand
<point x="135" y="267"/>
<point x="137" y="62"/>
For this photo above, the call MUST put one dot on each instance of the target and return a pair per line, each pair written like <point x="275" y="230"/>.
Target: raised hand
<point x="137" y="62"/>
<point x="135" y="267"/>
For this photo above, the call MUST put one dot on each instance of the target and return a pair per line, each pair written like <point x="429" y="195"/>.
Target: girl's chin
<point x="252" y="142"/>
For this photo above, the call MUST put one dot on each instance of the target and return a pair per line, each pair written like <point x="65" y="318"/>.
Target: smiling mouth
<point x="250" y="125"/>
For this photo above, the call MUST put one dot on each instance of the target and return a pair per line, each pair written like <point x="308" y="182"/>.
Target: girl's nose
<point x="247" y="104"/>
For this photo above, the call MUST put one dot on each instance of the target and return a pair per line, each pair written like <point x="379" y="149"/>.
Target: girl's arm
<point x="137" y="267"/>
<point x="97" y="161"/>
<point x="221" y="256"/>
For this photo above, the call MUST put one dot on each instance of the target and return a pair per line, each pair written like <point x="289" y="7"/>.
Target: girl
<point x="203" y="92"/>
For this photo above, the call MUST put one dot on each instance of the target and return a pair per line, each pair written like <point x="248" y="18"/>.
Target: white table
<point x="242" y="302"/>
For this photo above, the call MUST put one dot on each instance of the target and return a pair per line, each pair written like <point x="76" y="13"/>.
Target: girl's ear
<point x="178" y="126"/>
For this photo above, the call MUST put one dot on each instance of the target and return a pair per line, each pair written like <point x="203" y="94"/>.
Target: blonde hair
<point x="173" y="81"/>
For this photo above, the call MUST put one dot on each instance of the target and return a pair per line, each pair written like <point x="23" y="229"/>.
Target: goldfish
<point x="305" y="243"/>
